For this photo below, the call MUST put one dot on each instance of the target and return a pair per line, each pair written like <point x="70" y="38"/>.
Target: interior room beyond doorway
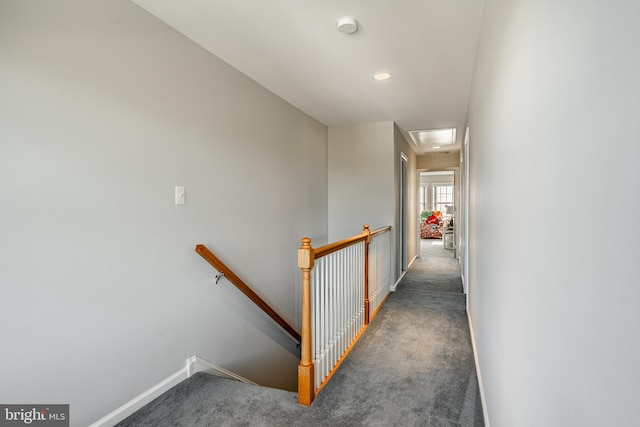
<point x="436" y="205"/>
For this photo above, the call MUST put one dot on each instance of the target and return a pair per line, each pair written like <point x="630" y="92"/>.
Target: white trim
<point x="465" y="286"/>
<point x="395" y="285"/>
<point x="403" y="231"/>
<point x="463" y="218"/>
<point x="203" y="365"/>
<point x="139" y="401"/>
<point x="194" y="364"/>
<point x="412" y="259"/>
<point x="485" y="412"/>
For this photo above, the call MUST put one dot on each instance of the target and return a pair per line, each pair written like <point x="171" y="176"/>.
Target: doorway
<point x="464" y="213"/>
<point x="437" y="203"/>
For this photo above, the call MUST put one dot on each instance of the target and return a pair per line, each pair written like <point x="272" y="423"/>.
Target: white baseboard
<point x="139" y="401"/>
<point x="194" y="364"/>
<point x="485" y="412"/>
<point x="395" y="285"/>
<point x="465" y="290"/>
<point x="412" y="260"/>
<point x="197" y="364"/>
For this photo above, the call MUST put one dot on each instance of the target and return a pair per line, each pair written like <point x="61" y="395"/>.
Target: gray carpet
<point x="413" y="366"/>
<point x="434" y="248"/>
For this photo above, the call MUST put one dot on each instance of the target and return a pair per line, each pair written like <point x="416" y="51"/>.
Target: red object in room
<point x="432" y="220"/>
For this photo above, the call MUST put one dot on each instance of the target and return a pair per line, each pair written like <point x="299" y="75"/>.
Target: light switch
<point x="180" y="199"/>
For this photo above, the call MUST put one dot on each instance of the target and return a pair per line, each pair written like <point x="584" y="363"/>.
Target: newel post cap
<point x="305" y="254"/>
<point x="367" y="231"/>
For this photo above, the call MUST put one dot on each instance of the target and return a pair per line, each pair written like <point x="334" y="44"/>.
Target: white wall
<point x="104" y="109"/>
<point x="554" y="299"/>
<point x="427" y="179"/>
<point x="412" y="217"/>
<point x="361" y="178"/>
<point x="364" y="179"/>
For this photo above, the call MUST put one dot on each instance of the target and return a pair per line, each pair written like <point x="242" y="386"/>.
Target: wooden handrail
<point x="367" y="233"/>
<point x="245" y="289"/>
<point x="336" y="246"/>
<point x="380" y="230"/>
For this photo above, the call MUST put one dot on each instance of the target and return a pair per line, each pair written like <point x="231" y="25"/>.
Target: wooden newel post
<point x="306" y="388"/>
<point x="366" y="231"/>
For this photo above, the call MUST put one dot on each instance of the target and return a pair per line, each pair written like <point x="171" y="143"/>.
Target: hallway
<point x="413" y="366"/>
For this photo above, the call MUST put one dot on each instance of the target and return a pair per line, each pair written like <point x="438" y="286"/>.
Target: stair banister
<point x="367" y="232"/>
<point x="306" y="387"/>
<point x="313" y="376"/>
<point x="245" y="289"/>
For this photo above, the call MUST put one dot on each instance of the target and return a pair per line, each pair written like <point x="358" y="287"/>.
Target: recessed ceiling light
<point x="381" y="76"/>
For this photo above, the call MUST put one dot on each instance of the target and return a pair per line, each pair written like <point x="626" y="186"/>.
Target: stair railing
<point x="379" y="269"/>
<point x="343" y="286"/>
<point x="245" y="289"/>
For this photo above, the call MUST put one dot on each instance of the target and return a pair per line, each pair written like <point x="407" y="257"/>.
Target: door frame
<point x="404" y="202"/>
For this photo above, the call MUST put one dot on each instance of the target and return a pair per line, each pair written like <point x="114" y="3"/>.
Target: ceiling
<point x="292" y="48"/>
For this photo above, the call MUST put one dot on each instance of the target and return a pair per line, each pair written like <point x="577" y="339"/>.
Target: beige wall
<point x="438" y="161"/>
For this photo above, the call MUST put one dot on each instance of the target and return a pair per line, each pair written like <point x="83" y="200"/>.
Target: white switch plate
<point x="180" y="195"/>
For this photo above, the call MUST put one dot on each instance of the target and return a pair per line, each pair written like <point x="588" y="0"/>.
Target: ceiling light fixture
<point x="433" y="138"/>
<point x="347" y="25"/>
<point x="381" y="76"/>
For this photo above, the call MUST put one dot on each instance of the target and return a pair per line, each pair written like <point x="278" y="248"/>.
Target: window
<point x="423" y="198"/>
<point x="442" y="196"/>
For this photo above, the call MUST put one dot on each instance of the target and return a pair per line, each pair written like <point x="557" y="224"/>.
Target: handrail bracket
<point x="233" y="278"/>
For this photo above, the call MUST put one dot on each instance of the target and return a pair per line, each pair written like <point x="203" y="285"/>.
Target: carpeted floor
<point x="413" y="366"/>
<point x="434" y="248"/>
